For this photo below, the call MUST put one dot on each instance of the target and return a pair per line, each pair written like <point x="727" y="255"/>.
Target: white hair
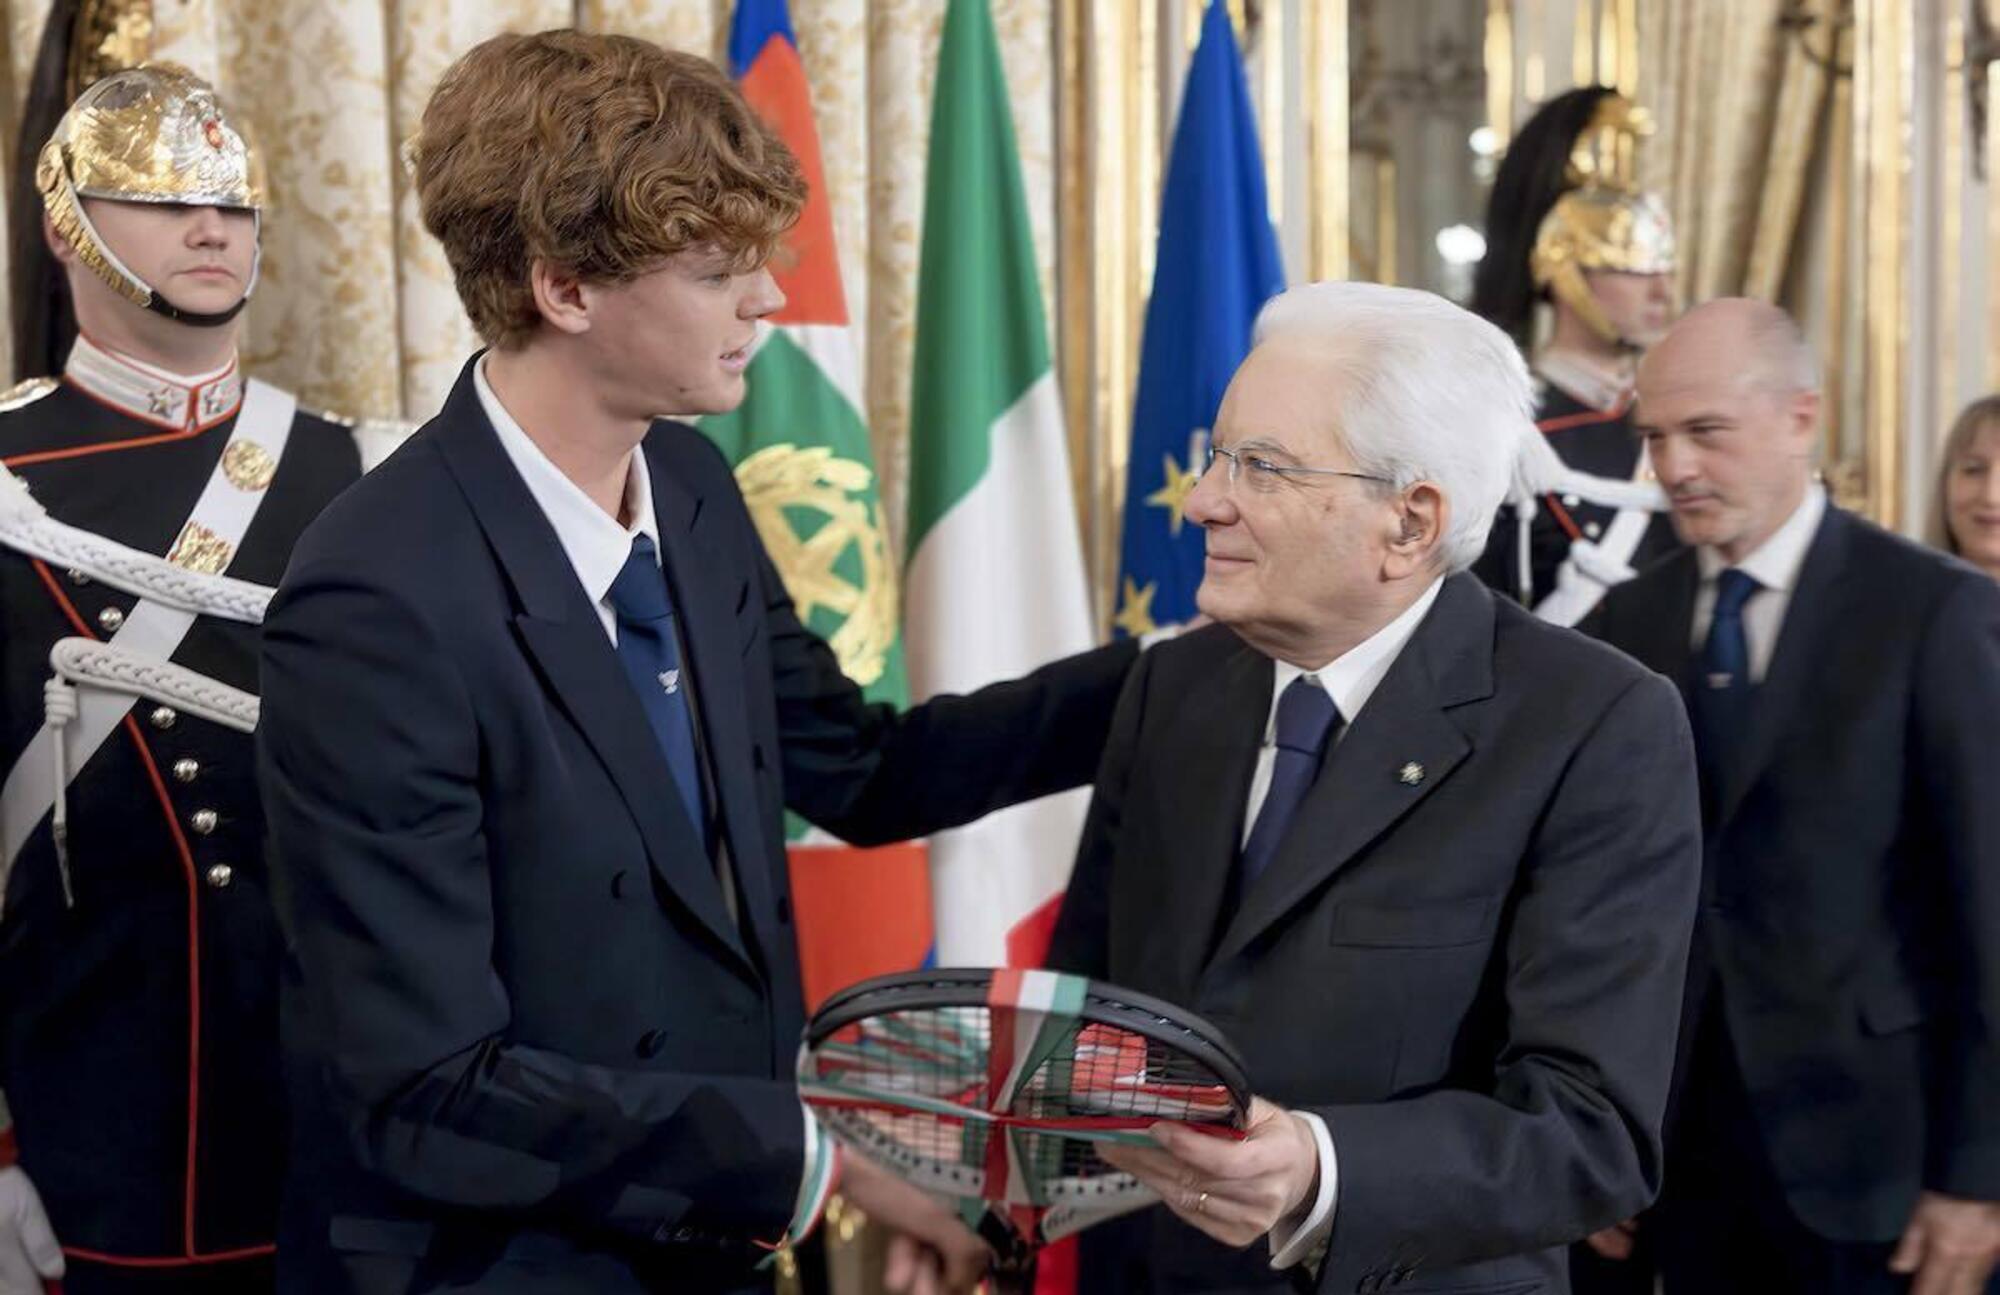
<point x="1426" y="391"/>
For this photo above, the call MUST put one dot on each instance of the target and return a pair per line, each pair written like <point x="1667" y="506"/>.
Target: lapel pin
<point x="671" y="681"/>
<point x="1411" y="774"/>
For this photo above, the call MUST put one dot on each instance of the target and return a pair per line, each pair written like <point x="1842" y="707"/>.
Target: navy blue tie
<point x="652" y="660"/>
<point x="1723" y="689"/>
<point x="1306" y="718"/>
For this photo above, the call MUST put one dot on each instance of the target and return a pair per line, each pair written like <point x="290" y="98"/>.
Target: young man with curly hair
<point x="534" y="702"/>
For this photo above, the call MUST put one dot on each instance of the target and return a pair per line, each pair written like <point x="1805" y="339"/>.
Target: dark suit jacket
<point x="1851" y="895"/>
<point x="531" y="1051"/>
<point x="1474" y="979"/>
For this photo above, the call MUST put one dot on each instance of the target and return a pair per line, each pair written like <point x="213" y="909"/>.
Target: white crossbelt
<point x="155" y="628"/>
<point x="1591" y="569"/>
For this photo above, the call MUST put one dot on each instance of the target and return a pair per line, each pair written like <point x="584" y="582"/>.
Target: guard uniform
<point x="139" y="953"/>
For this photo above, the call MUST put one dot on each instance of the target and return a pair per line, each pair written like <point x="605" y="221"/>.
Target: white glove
<point x="28" y="1249"/>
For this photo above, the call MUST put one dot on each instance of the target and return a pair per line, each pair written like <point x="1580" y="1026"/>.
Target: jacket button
<point x="203" y="821"/>
<point x="77" y="577"/>
<point x="1571" y="501"/>
<point x="650" y="1043"/>
<point x="110" y="619"/>
<point x="618" y="880"/>
<point x="220" y="875"/>
<point x="1592" y="529"/>
<point x="186" y="769"/>
<point x="163" y="717"/>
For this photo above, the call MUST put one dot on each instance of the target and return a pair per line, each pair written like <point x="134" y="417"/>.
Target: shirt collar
<point x="1778" y="560"/>
<point x="173" y="401"/>
<point x="596" y="544"/>
<point x="1352" y="677"/>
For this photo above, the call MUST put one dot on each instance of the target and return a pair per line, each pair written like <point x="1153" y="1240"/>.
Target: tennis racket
<point x="995" y="1087"/>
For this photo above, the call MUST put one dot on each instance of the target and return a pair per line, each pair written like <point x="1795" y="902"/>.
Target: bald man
<point x="1835" y="1124"/>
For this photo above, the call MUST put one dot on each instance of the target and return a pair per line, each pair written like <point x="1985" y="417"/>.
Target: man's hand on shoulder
<point x="1951" y="1245"/>
<point x="931" y="1251"/>
<point x="1235" y="1191"/>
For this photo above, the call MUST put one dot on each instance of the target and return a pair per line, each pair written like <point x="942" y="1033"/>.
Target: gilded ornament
<point x="108" y="36"/>
<point x="25" y="393"/>
<point x="783" y="479"/>
<point x="201" y="550"/>
<point x="248" y="465"/>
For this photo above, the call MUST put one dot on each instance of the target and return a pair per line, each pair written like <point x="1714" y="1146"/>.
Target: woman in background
<point x="1965" y="513"/>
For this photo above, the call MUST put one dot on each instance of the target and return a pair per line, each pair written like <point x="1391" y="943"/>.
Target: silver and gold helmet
<point x="1599" y="228"/>
<point x="1605" y="222"/>
<point x="155" y="133"/>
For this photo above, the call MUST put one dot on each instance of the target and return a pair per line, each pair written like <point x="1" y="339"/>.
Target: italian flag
<point x="995" y="583"/>
<point x="803" y="458"/>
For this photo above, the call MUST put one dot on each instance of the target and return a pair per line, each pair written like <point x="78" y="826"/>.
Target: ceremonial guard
<point x="1567" y="226"/>
<point x="151" y="497"/>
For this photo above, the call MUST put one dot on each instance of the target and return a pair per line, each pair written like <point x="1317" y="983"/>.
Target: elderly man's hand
<point x="1951" y="1245"/>
<point x="1235" y="1191"/>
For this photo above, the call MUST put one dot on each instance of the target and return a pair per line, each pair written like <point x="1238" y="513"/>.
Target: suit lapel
<point x="1219" y="730"/>
<point x="1663" y="620"/>
<point x="563" y="635"/>
<point x="708" y="608"/>
<point x="1810" y="619"/>
<point x="1367" y="783"/>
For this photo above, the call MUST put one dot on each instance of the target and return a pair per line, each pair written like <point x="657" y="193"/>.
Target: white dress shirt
<point x="596" y="543"/>
<point x="1775" y="567"/>
<point x="1350" y="679"/>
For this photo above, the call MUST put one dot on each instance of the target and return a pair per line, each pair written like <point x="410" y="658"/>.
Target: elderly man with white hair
<point x="1429" y="862"/>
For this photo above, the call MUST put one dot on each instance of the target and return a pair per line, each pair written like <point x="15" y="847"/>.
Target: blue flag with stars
<point x="1217" y="264"/>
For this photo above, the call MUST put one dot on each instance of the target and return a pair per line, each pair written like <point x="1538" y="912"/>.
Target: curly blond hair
<point x="602" y="155"/>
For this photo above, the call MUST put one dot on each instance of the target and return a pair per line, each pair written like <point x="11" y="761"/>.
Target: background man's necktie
<point x="1723" y="690"/>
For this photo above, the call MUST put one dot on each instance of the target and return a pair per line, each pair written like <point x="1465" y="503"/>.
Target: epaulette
<point x="26" y="393"/>
<point x="328" y="416"/>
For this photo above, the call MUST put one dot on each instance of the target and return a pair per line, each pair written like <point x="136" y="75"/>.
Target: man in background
<point x="1836" y="1124"/>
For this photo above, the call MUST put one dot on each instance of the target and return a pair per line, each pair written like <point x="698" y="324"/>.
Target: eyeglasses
<point x="1265" y="475"/>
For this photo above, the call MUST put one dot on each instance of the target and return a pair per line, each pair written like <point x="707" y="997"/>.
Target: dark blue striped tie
<point x="1306" y="718"/>
<point x="652" y="661"/>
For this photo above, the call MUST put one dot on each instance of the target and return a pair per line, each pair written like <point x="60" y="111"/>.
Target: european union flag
<point x="1216" y="265"/>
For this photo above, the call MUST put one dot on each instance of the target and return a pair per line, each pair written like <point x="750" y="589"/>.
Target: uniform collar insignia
<point x="170" y="401"/>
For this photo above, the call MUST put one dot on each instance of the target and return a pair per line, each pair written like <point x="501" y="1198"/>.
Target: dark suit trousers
<point x="1722" y="1226"/>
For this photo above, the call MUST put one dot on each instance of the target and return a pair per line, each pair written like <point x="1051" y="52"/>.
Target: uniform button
<point x="164" y="717"/>
<point x="77" y="578"/>
<point x="110" y="619"/>
<point x="186" y="769"/>
<point x="203" y="821"/>
<point x="650" y="1043"/>
<point x="1571" y="501"/>
<point x="220" y="875"/>
<point x="1592" y="529"/>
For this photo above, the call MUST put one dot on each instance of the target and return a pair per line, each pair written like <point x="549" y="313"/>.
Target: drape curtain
<point x="1741" y="108"/>
<point x="356" y="311"/>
